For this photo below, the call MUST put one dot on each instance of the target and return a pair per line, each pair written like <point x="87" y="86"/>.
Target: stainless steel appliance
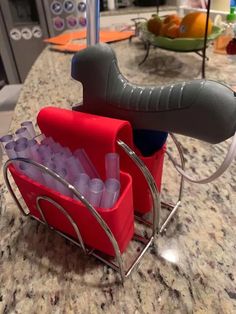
<point x="62" y="15"/>
<point x="3" y="74"/>
<point x="25" y="25"/>
<point x="8" y="73"/>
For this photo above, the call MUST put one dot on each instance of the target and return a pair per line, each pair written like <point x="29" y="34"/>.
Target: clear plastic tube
<point x="29" y="126"/>
<point x="96" y="187"/>
<point x="59" y="186"/>
<point x="112" y="165"/>
<point x="6" y="139"/>
<point x="32" y="172"/>
<point x="86" y="163"/>
<point x="66" y="152"/>
<point x="111" y="193"/>
<point x="23" y="167"/>
<point x="10" y="149"/>
<point x="32" y="142"/>
<point x="44" y="151"/>
<point x="46" y="160"/>
<point x="48" y="141"/>
<point x="56" y="147"/>
<point x="35" y="155"/>
<point x="40" y="138"/>
<point x="21" y="140"/>
<point x="74" y="168"/>
<point x="82" y="184"/>
<point x="49" y="180"/>
<point x="22" y="150"/>
<point x="23" y="132"/>
<point x="59" y="159"/>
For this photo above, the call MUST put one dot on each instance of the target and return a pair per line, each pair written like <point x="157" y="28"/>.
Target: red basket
<point x="120" y="218"/>
<point x="98" y="136"/>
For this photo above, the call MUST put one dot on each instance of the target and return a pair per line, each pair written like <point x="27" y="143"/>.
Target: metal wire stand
<point x="117" y="262"/>
<point x="171" y="207"/>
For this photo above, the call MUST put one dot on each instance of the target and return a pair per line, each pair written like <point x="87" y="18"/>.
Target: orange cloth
<point x="64" y="42"/>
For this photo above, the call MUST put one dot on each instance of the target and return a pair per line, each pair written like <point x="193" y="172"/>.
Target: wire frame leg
<point x="173" y="208"/>
<point x="147" y="46"/>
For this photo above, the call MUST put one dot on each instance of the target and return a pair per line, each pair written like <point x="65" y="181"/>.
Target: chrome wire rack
<point x="153" y="225"/>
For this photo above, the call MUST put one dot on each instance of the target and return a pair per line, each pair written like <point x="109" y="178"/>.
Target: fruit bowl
<point x="177" y="44"/>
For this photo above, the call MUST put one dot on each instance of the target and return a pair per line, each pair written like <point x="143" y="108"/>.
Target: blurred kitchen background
<point x="25" y="23"/>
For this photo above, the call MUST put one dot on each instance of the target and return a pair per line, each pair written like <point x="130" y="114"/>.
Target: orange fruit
<point x="154" y="25"/>
<point x="164" y="28"/>
<point x="172" y="31"/>
<point x="193" y="25"/>
<point x="172" y="18"/>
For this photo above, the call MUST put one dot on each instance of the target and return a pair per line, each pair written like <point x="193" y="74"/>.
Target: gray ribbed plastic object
<point x="201" y="109"/>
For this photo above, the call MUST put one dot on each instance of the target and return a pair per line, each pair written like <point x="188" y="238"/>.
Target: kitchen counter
<point x="191" y="269"/>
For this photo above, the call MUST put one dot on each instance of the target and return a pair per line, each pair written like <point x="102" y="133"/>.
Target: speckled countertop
<point x="42" y="273"/>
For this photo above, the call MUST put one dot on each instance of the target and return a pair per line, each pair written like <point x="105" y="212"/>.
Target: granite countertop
<point x="42" y="273"/>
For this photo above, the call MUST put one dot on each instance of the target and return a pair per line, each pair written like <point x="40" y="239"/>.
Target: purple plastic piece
<point x="110" y="194"/>
<point x="96" y="188"/>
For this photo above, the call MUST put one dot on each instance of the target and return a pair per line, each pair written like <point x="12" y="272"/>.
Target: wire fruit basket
<point x="177" y="44"/>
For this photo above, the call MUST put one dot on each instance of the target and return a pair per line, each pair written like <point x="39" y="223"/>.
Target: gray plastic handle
<point x="201" y="109"/>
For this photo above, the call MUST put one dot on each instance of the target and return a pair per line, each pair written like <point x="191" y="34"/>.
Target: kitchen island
<point x="191" y="268"/>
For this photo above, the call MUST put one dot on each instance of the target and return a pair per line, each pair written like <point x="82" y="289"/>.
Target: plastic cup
<point x="3" y="141"/>
<point x="96" y="187"/>
<point x="82" y="184"/>
<point x="6" y="139"/>
<point x="23" y="132"/>
<point x="21" y="140"/>
<point x="10" y="149"/>
<point x="22" y="150"/>
<point x="111" y="193"/>
<point x="29" y="126"/>
<point x="86" y="163"/>
<point x="112" y="166"/>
